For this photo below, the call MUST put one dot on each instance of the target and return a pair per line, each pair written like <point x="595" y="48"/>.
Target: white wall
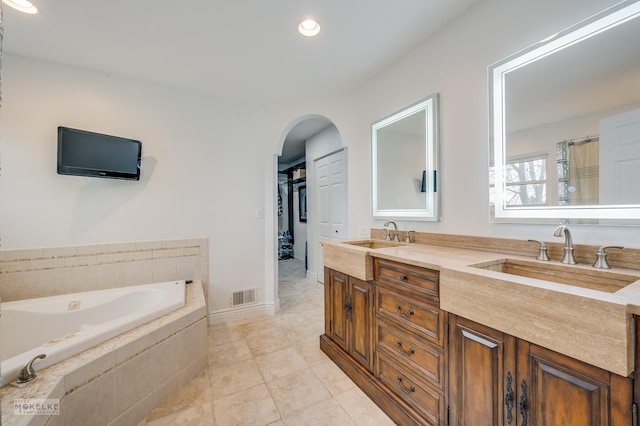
<point x="215" y="162"/>
<point x="454" y="63"/>
<point x="197" y="179"/>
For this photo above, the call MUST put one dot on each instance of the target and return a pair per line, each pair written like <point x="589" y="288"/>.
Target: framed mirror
<point x="565" y="125"/>
<point x="404" y="163"/>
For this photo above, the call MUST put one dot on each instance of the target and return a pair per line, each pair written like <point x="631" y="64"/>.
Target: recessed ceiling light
<point x="309" y="28"/>
<point x="22" y="5"/>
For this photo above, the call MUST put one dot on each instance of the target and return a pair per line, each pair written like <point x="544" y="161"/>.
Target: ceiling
<point x="246" y="51"/>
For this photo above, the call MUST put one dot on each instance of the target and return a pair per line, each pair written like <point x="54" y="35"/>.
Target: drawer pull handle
<point x="402" y="314"/>
<point x="410" y="389"/>
<point x="410" y="352"/>
<point x="403" y="277"/>
<point x="523" y="403"/>
<point x="509" y="399"/>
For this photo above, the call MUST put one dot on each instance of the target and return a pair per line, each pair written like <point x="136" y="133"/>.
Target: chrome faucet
<point x="395" y="231"/>
<point x="408" y="238"/>
<point x="568" y="244"/>
<point x="601" y="257"/>
<point x="27" y="373"/>
<point x="542" y="252"/>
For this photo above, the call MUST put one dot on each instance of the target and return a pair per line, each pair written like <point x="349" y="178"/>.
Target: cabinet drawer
<point x="425" y="399"/>
<point x="415" y="315"/>
<point x="411" y="278"/>
<point x="426" y="359"/>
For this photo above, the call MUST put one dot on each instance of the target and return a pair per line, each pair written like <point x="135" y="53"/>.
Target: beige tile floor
<point x="270" y="371"/>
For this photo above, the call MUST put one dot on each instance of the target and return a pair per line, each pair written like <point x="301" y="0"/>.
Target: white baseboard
<point x="312" y="275"/>
<point x="243" y="312"/>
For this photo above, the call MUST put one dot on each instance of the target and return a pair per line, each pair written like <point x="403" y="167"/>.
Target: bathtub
<point x="62" y="326"/>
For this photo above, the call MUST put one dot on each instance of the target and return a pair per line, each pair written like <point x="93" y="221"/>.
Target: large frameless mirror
<point x="404" y="163"/>
<point x="565" y="124"/>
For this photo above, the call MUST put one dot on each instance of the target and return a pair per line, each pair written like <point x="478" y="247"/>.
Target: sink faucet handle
<point x="542" y="253"/>
<point x="408" y="239"/>
<point x="388" y="235"/>
<point x="601" y="257"/>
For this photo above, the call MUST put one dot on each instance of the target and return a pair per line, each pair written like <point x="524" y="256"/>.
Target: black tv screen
<point x="83" y="153"/>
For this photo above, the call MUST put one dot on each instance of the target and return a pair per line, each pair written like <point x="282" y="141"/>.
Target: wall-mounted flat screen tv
<point x="83" y="153"/>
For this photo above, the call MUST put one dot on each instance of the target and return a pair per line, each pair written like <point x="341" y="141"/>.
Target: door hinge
<point x="634" y="411"/>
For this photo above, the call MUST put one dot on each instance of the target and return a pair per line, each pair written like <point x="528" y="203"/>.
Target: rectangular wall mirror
<point x="404" y="163"/>
<point x="565" y="125"/>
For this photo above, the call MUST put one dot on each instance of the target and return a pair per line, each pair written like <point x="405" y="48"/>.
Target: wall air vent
<point x="243" y="297"/>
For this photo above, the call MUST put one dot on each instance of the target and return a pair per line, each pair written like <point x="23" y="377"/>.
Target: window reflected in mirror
<point x="565" y="124"/>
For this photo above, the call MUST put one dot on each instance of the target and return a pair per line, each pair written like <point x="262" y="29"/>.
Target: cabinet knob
<point x="403" y="277"/>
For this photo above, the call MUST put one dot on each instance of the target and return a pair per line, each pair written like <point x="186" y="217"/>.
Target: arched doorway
<point x="309" y="139"/>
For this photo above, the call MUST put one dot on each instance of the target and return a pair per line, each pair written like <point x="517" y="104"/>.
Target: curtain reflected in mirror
<point x="578" y="172"/>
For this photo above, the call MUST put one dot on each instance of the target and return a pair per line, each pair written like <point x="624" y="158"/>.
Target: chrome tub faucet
<point x="27" y="373"/>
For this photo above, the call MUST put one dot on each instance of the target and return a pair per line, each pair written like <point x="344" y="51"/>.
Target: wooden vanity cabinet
<point x="497" y="379"/>
<point x="424" y="366"/>
<point x="480" y="360"/>
<point x="410" y="356"/>
<point x="349" y="315"/>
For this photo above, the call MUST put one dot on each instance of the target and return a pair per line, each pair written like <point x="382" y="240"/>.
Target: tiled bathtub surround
<point x="123" y="379"/>
<point x="29" y="273"/>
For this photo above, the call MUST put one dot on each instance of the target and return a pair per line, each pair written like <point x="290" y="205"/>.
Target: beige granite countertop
<point x="590" y="325"/>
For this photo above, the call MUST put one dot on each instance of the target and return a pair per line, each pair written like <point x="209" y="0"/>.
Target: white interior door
<point x="620" y="159"/>
<point x="331" y="206"/>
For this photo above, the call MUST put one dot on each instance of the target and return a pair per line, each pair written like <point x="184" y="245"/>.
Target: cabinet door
<point x="563" y="391"/>
<point x="339" y="308"/>
<point x="361" y="313"/>
<point x="481" y="375"/>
